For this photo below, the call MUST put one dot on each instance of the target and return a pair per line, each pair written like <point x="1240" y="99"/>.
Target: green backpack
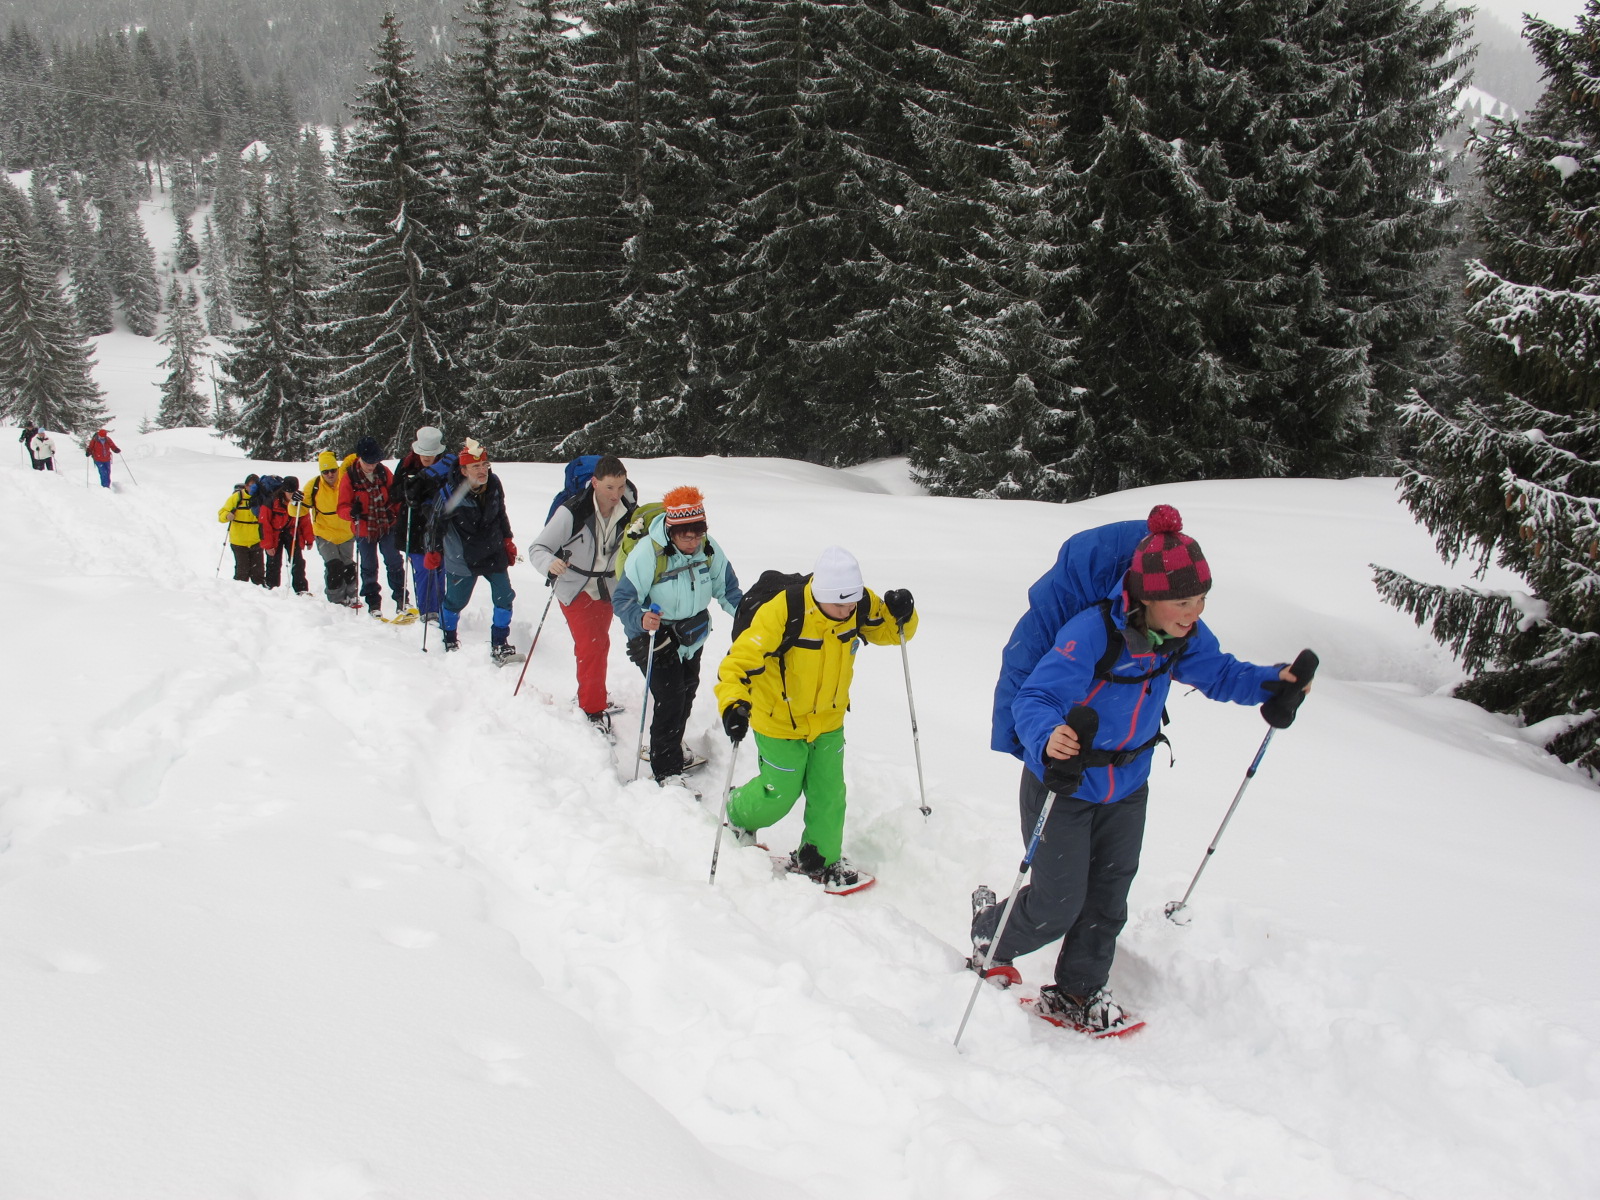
<point x="638" y="530"/>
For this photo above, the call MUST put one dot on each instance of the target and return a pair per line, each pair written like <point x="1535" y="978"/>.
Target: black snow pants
<point x="673" y="684"/>
<point x="1078" y="888"/>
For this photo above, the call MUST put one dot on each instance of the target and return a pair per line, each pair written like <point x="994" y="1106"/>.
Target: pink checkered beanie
<point x="1167" y="564"/>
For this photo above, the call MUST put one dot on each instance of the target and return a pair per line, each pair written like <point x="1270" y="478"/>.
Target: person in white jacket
<point x="578" y="549"/>
<point x="43" y="450"/>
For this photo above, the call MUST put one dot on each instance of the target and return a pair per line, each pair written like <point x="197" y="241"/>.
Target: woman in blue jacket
<point x="1119" y="658"/>
<point x="678" y="566"/>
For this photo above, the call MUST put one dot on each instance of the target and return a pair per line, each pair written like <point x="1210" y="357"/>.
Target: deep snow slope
<point x="289" y="909"/>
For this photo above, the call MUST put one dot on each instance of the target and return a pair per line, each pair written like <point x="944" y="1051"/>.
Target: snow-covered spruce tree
<point x="49" y="229"/>
<point x="91" y="292"/>
<point x="182" y="405"/>
<point x="130" y="263"/>
<point x="505" y="373"/>
<point x="395" y="316"/>
<point x="273" y="370"/>
<point x="665" y="59"/>
<point x="824" y="149"/>
<point x="552" y="217"/>
<point x="1243" y="201"/>
<point x="44" y="359"/>
<point x="1511" y="473"/>
<point x="219" y="288"/>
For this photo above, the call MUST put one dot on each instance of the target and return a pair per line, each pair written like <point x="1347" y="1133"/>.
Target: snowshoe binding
<point x="836" y="878"/>
<point x="503" y="654"/>
<point x="1096" y="1016"/>
<point x="1001" y="974"/>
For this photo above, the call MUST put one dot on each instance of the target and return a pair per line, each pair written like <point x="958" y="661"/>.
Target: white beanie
<point x="429" y="441"/>
<point x="836" y="579"/>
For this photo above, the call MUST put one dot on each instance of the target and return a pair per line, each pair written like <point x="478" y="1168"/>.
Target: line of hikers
<point x="1107" y="629"/>
<point x="41" y="448"/>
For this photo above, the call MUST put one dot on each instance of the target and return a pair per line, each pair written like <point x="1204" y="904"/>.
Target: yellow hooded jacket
<point x="322" y="502"/>
<point x="804" y="695"/>
<point x="243" y="527"/>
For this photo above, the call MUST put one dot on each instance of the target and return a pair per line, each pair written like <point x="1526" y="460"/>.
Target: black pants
<point x="673" y="684"/>
<point x="247" y="564"/>
<point x="297" y="567"/>
<point x="1078" y="888"/>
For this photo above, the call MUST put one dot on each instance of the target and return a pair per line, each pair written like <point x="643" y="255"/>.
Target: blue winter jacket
<point x="1091" y="565"/>
<point x="1130" y="713"/>
<point x="684" y="589"/>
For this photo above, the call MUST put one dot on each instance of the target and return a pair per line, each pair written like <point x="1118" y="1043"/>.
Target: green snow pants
<point x="788" y="768"/>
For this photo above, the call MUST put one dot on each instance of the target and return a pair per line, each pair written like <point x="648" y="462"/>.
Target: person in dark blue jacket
<point x="1119" y="657"/>
<point x="469" y="535"/>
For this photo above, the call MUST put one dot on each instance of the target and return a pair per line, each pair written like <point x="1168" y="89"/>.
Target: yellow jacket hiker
<point x="794" y="697"/>
<point x="243" y="527"/>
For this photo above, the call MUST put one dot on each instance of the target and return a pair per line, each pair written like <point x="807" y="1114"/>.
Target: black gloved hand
<point x="736" y="720"/>
<point x="1065" y="775"/>
<point x="899" y="604"/>
<point x="1279" y="708"/>
<point x="355" y="508"/>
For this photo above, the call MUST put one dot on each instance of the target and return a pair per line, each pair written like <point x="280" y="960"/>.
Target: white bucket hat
<point x="429" y="441"/>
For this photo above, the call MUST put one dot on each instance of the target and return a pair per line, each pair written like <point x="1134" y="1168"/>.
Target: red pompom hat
<point x="1168" y="564"/>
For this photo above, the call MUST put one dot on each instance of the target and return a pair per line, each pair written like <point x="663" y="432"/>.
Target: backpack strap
<point x="1114" y="641"/>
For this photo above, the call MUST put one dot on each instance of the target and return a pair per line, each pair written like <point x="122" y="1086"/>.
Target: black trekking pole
<point x="916" y="739"/>
<point x="549" y="582"/>
<point x="644" y="709"/>
<point x="227" y="538"/>
<point x="722" y="817"/>
<point x="1085" y="722"/>
<point x="1279" y="712"/>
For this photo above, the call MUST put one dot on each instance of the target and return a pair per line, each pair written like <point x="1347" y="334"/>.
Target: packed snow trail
<point x="262" y="855"/>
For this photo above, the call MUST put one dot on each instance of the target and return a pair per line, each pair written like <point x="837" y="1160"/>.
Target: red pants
<point x="590" y="622"/>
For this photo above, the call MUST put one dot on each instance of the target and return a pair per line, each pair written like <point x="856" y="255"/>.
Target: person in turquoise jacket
<point x="678" y="566"/>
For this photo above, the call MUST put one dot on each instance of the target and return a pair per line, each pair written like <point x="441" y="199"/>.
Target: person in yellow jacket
<point x="334" y="538"/>
<point x="244" y="533"/>
<point x="794" y="692"/>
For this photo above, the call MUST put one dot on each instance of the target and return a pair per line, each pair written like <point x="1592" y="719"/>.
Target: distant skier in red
<point x="101" y="448"/>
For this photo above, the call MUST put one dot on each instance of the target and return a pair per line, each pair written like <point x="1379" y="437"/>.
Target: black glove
<point x="355" y="508"/>
<point x="1065" y="775"/>
<point x="736" y="720"/>
<point x="899" y="604"/>
<point x="1279" y="708"/>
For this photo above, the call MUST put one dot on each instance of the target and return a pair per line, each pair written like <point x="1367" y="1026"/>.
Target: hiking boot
<point x="1097" y="1015"/>
<point x="837" y="878"/>
<point x="451" y="642"/>
<point x="677" y="781"/>
<point x="601" y="721"/>
<point x="1000" y="972"/>
<point x="502" y="653"/>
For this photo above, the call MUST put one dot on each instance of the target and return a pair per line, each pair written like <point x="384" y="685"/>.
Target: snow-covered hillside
<point x="293" y="911"/>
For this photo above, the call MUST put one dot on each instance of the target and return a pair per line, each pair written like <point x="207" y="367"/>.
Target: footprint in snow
<point x="409" y="939"/>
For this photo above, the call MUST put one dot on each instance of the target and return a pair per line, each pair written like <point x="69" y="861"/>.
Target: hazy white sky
<point x="1509" y="12"/>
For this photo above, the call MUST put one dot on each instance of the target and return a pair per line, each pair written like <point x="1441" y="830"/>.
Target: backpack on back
<point x="263" y="492"/>
<point x="579" y="472"/>
<point x="1086" y="571"/>
<point x="791" y="586"/>
<point x="638" y="530"/>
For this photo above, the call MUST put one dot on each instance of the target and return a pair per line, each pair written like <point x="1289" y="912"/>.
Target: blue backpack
<point x="263" y="492"/>
<point x="1087" y="569"/>
<point x="579" y="472"/>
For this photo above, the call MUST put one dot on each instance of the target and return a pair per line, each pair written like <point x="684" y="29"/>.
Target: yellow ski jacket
<point x="243" y="528"/>
<point x="322" y="502"/>
<point x="803" y="693"/>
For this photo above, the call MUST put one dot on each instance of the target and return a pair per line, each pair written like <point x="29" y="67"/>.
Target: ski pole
<point x="1085" y="722"/>
<point x="549" y="582"/>
<point x="227" y="537"/>
<point x="644" y="709"/>
<point x="1280" y="717"/>
<point x="722" y="817"/>
<point x="127" y="468"/>
<point x="916" y="739"/>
